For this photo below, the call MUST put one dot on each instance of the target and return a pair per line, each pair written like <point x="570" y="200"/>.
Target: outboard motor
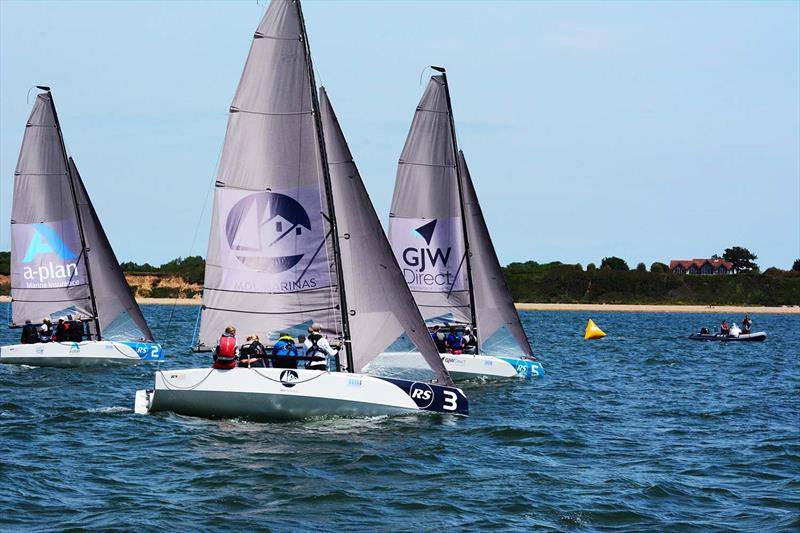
<point x="704" y="331"/>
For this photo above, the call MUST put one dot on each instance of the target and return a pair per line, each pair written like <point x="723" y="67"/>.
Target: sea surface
<point x="641" y="431"/>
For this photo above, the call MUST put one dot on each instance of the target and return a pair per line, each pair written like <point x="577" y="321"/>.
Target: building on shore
<point x="708" y="267"/>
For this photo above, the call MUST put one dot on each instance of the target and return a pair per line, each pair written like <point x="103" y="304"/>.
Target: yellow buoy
<point x="593" y="332"/>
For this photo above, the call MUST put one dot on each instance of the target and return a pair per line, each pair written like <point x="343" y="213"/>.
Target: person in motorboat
<point x="470" y="341"/>
<point x="284" y="352"/>
<point x="317" y="345"/>
<point x="61" y="330"/>
<point x="30" y="333"/>
<point x="438" y="339"/>
<point x="747" y="324"/>
<point x="724" y="329"/>
<point x="454" y="341"/>
<point x="46" y="330"/>
<point x="251" y="354"/>
<point x="225" y="351"/>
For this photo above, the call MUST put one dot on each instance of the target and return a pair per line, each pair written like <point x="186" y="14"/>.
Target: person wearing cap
<point x="317" y="345"/>
<point x="61" y="330"/>
<point x="470" y="342"/>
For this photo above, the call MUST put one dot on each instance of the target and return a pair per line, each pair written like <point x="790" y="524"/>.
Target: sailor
<point x="317" y="345"/>
<point x="454" y="341"/>
<point x="747" y="324"/>
<point x="284" y="352"/>
<point x="724" y="329"/>
<point x="30" y="334"/>
<point x="45" y="330"/>
<point x="470" y="341"/>
<point x="74" y="329"/>
<point x="61" y="330"/>
<point x="438" y="339"/>
<point x="225" y="351"/>
<point x="252" y="353"/>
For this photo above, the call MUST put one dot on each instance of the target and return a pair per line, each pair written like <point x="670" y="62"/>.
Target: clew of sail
<point x="425" y="225"/>
<point x="270" y="264"/>
<point x="380" y="306"/>
<point x="494" y="306"/>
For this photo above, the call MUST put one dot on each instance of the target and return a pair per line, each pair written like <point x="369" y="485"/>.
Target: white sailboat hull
<point x="280" y="394"/>
<point x="77" y="354"/>
<point x="471" y="366"/>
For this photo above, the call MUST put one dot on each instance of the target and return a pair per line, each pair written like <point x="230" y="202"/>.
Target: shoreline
<point x="612" y="308"/>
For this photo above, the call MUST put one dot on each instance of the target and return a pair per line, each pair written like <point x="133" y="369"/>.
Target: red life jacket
<point x="226" y="352"/>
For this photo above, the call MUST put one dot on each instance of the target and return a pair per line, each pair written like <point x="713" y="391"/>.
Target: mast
<point x="70" y="178"/>
<point x="326" y="177"/>
<point x="467" y="252"/>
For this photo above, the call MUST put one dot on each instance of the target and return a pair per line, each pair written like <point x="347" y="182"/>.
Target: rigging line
<point x="302" y="275"/>
<point x="194" y="240"/>
<point x="455" y="276"/>
<point x="191" y="387"/>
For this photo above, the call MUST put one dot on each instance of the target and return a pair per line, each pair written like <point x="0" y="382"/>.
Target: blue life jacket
<point x="285" y="347"/>
<point x="455" y="341"/>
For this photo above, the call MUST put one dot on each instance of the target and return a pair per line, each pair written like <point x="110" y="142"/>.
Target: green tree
<point x="796" y="266"/>
<point x="192" y="268"/>
<point x="742" y="259"/>
<point x="641" y="267"/>
<point x="659" y="268"/>
<point x="613" y="263"/>
<point x="5" y="263"/>
<point x="591" y="267"/>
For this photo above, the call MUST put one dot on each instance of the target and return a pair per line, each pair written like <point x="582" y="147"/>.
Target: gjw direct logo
<point x="427" y="265"/>
<point x="272" y="233"/>
<point x="60" y="262"/>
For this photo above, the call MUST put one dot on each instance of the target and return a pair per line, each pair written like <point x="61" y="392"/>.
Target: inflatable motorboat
<point x="735" y="335"/>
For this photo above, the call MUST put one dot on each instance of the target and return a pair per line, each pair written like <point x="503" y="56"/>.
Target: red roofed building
<point x="701" y="266"/>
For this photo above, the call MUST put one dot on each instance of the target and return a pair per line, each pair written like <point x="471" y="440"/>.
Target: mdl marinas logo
<point x="51" y="254"/>
<point x="430" y="253"/>
<point x="278" y="238"/>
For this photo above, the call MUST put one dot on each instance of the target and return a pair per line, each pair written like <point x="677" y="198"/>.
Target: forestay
<point x="494" y="306"/>
<point x="425" y="225"/>
<point x="52" y="272"/>
<point x="381" y="308"/>
<point x="269" y="264"/>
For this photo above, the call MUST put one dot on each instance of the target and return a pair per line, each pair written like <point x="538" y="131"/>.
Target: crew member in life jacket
<point x="74" y="329"/>
<point x="45" y="330"/>
<point x="317" y="345"/>
<point x="61" y="330"/>
<point x="284" y="352"/>
<point x="30" y="333"/>
<point x="454" y="341"/>
<point x="470" y="341"/>
<point x="225" y="352"/>
<point x="438" y="339"/>
<point x="251" y="354"/>
<point x="747" y="324"/>
<point x="724" y="328"/>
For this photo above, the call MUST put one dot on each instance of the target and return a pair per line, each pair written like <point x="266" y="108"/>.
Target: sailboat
<point x="441" y="241"/>
<point x="295" y="241"/>
<point x="62" y="265"/>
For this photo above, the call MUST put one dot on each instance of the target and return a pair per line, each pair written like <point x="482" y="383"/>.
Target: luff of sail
<point x="48" y="266"/>
<point x="118" y="313"/>
<point x="380" y="306"/>
<point x="269" y="264"/>
<point x="494" y="306"/>
<point x="425" y="226"/>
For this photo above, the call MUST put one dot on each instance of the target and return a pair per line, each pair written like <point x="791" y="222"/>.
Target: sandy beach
<point x="623" y="308"/>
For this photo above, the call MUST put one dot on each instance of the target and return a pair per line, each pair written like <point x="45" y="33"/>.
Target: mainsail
<point x="494" y="306"/>
<point x="425" y="224"/>
<point x="269" y="267"/>
<point x="380" y="305"/>
<point x="61" y="261"/>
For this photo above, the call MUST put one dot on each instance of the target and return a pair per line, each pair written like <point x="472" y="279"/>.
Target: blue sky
<point x="650" y="131"/>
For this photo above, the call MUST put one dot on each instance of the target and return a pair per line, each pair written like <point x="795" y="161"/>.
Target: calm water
<point x="643" y="431"/>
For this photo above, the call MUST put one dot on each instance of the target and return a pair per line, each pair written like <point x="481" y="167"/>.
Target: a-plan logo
<point x="48" y="260"/>
<point x="428" y="266"/>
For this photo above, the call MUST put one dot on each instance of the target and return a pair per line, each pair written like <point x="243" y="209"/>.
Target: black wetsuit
<point x="30" y="334"/>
